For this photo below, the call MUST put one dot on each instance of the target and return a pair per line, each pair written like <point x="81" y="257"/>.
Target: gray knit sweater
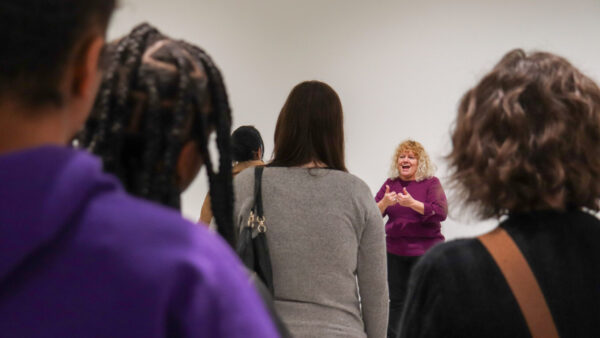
<point x="327" y="244"/>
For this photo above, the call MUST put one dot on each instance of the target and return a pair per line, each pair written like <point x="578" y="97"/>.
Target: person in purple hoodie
<point x="79" y="256"/>
<point x="415" y="203"/>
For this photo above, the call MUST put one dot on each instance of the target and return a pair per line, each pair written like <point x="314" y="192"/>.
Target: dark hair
<point x="38" y="40"/>
<point x="310" y="127"/>
<point x="245" y="142"/>
<point x="527" y="137"/>
<point x="157" y="95"/>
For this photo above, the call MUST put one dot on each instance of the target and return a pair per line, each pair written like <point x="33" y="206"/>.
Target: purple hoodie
<point x="79" y="258"/>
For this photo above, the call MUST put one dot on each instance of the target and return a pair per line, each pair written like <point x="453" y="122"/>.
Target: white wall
<point x="400" y="67"/>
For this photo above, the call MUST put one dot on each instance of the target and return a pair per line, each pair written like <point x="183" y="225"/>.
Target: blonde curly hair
<point x="425" y="168"/>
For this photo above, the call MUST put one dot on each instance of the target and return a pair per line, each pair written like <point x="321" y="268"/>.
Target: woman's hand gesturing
<point x="405" y="199"/>
<point x="390" y="198"/>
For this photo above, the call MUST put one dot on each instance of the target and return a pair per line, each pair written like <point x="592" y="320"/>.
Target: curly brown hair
<point x="527" y="137"/>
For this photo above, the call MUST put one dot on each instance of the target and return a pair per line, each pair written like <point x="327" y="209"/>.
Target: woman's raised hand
<point x="390" y="198"/>
<point x="405" y="199"/>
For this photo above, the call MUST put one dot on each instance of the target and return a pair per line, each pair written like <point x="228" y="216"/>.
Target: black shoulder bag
<point x="254" y="252"/>
<point x="252" y="244"/>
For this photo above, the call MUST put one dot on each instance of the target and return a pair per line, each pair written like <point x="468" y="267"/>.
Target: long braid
<point x="174" y="137"/>
<point x="120" y="79"/>
<point x="152" y="140"/>
<point x="220" y="184"/>
<point x="104" y="134"/>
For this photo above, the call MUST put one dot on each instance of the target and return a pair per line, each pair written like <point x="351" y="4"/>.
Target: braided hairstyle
<point x="156" y="95"/>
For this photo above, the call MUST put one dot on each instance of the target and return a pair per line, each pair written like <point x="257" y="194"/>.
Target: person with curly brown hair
<point x="526" y="149"/>
<point x="159" y="102"/>
<point x="415" y="203"/>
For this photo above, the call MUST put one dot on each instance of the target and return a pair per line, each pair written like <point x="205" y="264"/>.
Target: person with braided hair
<point x="159" y="101"/>
<point x="79" y="256"/>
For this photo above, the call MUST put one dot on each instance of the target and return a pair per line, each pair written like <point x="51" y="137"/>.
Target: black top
<point x="457" y="290"/>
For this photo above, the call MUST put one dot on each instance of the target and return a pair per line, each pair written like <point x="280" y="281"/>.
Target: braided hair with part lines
<point x="157" y="95"/>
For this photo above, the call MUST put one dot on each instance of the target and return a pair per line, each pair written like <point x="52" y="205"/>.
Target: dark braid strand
<point x="221" y="186"/>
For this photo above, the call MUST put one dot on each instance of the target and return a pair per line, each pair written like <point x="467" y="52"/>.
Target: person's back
<point x="81" y="258"/>
<point x="324" y="231"/>
<point x="562" y="251"/>
<point x="526" y="149"/>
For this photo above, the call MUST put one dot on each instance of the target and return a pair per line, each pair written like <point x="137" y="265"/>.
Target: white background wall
<point x="400" y="67"/>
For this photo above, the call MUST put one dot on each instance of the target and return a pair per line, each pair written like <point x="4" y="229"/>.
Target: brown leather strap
<point x="521" y="281"/>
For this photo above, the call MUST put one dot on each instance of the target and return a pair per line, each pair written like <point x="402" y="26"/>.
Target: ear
<point x="87" y="72"/>
<point x="83" y="82"/>
<point x="189" y="163"/>
<point x="258" y="154"/>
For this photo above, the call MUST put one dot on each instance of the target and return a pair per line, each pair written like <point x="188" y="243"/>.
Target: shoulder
<point x="149" y="239"/>
<point x="351" y="184"/>
<point x="445" y="268"/>
<point x="183" y="268"/>
<point x="430" y="181"/>
<point x="322" y="176"/>
<point x="389" y="181"/>
<point x="432" y="290"/>
<point x="245" y="174"/>
<point x="393" y="182"/>
<point x="456" y="256"/>
<point x="354" y="182"/>
<point x="243" y="183"/>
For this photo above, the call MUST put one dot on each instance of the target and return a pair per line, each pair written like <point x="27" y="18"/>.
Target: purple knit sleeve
<point x="436" y="205"/>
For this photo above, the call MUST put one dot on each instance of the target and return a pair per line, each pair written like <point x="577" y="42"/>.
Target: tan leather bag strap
<point x="521" y="281"/>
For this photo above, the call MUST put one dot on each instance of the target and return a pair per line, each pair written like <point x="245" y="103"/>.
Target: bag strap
<point x="521" y="281"/>
<point x="258" y="205"/>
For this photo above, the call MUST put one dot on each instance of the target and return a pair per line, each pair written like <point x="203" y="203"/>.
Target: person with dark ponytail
<point x="247" y="150"/>
<point x="159" y="101"/>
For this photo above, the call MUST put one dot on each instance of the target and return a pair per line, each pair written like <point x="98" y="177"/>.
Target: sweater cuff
<point x="428" y="210"/>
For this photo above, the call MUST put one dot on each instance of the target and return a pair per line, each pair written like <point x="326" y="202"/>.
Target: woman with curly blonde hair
<point x="525" y="147"/>
<point x="415" y="203"/>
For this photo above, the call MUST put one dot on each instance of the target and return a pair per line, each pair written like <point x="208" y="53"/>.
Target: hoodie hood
<point x="43" y="191"/>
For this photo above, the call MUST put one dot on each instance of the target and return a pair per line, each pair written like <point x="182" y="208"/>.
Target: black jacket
<point x="456" y="289"/>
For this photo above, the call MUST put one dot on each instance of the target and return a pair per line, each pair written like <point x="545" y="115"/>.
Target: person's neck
<point x="314" y="164"/>
<point x="24" y="128"/>
<point x="239" y="166"/>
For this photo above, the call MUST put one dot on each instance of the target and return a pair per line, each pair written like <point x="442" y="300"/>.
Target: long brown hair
<point x="310" y="128"/>
<point x="527" y="137"/>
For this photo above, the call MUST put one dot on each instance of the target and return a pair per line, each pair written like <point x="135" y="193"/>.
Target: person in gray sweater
<point x="324" y="230"/>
